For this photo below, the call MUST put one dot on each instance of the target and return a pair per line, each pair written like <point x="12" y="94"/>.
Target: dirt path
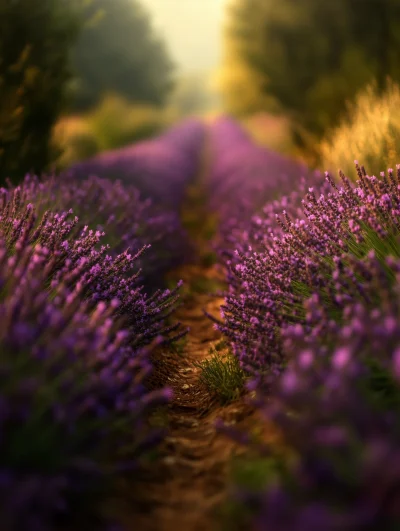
<point x="183" y="489"/>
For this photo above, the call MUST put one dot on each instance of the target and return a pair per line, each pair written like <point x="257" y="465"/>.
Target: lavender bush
<point x="245" y="176"/>
<point x="72" y="387"/>
<point x="321" y="254"/>
<point x="129" y="221"/>
<point x="78" y="327"/>
<point x="103" y="276"/>
<point x="159" y="168"/>
<point x="337" y="405"/>
<point x="313" y="316"/>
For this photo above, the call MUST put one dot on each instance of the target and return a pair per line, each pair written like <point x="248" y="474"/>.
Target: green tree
<point x="35" y="41"/>
<point x="313" y="55"/>
<point x="120" y="53"/>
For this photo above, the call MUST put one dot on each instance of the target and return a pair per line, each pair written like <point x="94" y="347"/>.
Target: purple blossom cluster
<point x="338" y="406"/>
<point x="312" y="312"/>
<point x="73" y="397"/>
<point x="245" y="176"/>
<point x="104" y="277"/>
<point x="159" y="168"/>
<point x="81" y="313"/>
<point x="129" y="222"/>
<point x="322" y="253"/>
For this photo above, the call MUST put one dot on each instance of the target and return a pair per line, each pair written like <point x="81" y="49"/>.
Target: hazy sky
<point x="192" y="30"/>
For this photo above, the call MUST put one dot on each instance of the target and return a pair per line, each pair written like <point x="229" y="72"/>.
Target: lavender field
<point x="200" y="265"/>
<point x="199" y="332"/>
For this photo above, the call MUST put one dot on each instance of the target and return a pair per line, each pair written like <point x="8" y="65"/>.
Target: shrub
<point x="313" y="315"/>
<point x="159" y="168"/>
<point x="128" y="220"/>
<point x="72" y="384"/>
<point x="337" y="405"/>
<point x="320" y="254"/>
<point x="244" y="176"/>
<point x="35" y="41"/>
<point x="370" y="132"/>
<point x="115" y="122"/>
<point x="76" y="140"/>
<point x="104" y="277"/>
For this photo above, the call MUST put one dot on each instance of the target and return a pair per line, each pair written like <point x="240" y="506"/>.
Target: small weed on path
<point x="222" y="374"/>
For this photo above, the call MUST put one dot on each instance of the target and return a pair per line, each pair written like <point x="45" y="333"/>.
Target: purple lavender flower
<point x="337" y="252"/>
<point x="313" y="313"/>
<point x="159" y="168"/>
<point x="102" y="276"/>
<point x="245" y="176"/>
<point x="73" y="399"/>
<point x="340" y="417"/>
<point x="118" y="210"/>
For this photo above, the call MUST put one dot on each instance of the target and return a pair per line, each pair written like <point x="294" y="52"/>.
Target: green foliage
<point x="252" y="474"/>
<point x="116" y="122"/>
<point x="312" y="56"/>
<point x="255" y="473"/>
<point x="35" y="41"/>
<point x="77" y="140"/>
<point x="381" y="387"/>
<point x="370" y="133"/>
<point x="222" y="374"/>
<point x="119" y="52"/>
<point x="221" y="345"/>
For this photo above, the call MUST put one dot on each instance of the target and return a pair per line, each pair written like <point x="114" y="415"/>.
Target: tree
<point x="35" y="41"/>
<point x="120" y="54"/>
<point x="313" y="55"/>
<point x="241" y="87"/>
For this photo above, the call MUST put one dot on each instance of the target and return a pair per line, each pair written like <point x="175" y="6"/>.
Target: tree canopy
<point x="308" y="57"/>
<point x="119" y="52"/>
<point x="35" y="42"/>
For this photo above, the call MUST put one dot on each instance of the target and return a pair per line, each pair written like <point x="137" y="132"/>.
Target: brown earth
<point x="189" y="481"/>
<point x="184" y="489"/>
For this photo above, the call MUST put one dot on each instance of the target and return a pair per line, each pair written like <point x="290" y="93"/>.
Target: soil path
<point x="189" y="483"/>
<point x="183" y="490"/>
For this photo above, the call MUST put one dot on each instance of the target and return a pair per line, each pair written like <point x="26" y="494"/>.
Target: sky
<point x="192" y="30"/>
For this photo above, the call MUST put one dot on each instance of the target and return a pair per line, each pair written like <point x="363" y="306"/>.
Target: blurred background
<point x="317" y="80"/>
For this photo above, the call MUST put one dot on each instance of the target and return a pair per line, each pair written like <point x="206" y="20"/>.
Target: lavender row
<point x="76" y="333"/>
<point x="338" y="406"/>
<point x="243" y="177"/>
<point x="78" y="326"/>
<point x="129" y="222"/>
<point x="312" y="313"/>
<point x="306" y="257"/>
<point x="159" y="168"/>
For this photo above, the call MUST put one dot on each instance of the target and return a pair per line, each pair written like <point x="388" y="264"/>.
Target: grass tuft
<point x="370" y="133"/>
<point x="222" y="374"/>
